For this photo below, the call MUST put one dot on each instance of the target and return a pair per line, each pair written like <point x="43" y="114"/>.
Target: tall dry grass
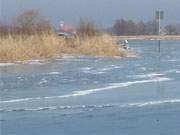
<point x="100" y="46"/>
<point x="45" y="46"/>
<point x="18" y="48"/>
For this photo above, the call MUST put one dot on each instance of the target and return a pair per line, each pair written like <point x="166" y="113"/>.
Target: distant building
<point x="66" y="31"/>
<point x="66" y="28"/>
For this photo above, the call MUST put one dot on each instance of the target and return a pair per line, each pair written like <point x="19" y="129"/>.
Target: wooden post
<point x="159" y="46"/>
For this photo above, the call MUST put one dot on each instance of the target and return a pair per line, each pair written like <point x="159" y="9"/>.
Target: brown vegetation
<point x="100" y="46"/>
<point x="31" y="37"/>
<point x="27" y="23"/>
<point x="17" y="48"/>
<point x="45" y="46"/>
<point x="87" y="28"/>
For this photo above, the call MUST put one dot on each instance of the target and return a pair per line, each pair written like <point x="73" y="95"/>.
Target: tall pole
<point x="159" y="42"/>
<point x="159" y="21"/>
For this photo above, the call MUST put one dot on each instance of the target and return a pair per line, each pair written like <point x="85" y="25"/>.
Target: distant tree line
<point x="129" y="27"/>
<point x="32" y="22"/>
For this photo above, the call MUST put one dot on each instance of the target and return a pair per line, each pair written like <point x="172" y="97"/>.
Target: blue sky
<point x="103" y="12"/>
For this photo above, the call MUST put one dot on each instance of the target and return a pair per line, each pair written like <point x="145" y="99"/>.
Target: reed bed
<point x="45" y="46"/>
<point x="101" y="46"/>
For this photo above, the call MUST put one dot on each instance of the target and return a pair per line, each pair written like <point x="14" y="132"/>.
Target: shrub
<point x="86" y="28"/>
<point x="3" y="29"/>
<point x="30" y="22"/>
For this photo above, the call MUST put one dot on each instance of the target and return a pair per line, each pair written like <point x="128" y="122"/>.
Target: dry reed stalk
<point x="45" y="46"/>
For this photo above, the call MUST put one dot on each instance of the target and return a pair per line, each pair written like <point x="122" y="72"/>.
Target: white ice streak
<point x="91" y="91"/>
<point x="149" y="103"/>
<point x="43" y="81"/>
<point x="89" y="70"/>
<point x="100" y="70"/>
<point x="137" y="104"/>
<point x="172" y="60"/>
<point x="86" y="68"/>
<point x="109" y="68"/>
<point x="141" y="76"/>
<point x="52" y="73"/>
<point x="7" y="64"/>
<point x="32" y="62"/>
<point x="170" y="71"/>
<point x="178" y="72"/>
<point x="173" y="71"/>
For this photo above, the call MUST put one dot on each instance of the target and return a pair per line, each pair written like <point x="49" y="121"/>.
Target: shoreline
<point x="63" y="57"/>
<point x="148" y="37"/>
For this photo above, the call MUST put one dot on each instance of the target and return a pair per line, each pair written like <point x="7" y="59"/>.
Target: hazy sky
<point x="103" y="12"/>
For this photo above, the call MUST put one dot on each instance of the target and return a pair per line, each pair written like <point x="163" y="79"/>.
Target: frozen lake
<point x="94" y="96"/>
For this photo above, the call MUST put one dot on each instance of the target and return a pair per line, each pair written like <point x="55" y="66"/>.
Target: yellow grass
<point x="19" y="48"/>
<point x="13" y="48"/>
<point x="100" y="46"/>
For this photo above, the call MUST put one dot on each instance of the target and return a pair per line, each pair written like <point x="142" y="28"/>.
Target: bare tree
<point x="87" y="28"/>
<point x="30" y="22"/>
<point x="3" y="29"/>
